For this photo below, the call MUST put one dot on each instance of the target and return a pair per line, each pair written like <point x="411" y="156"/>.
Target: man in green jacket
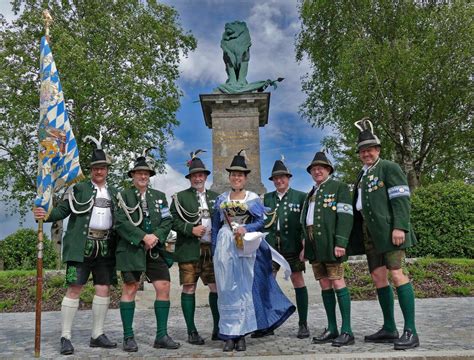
<point x="143" y="223"/>
<point x="285" y="236"/>
<point x="191" y="210"/>
<point x="88" y="247"/>
<point x="327" y="223"/>
<point x="383" y="231"/>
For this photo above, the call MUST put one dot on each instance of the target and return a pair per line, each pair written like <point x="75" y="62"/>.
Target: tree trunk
<point x="406" y="153"/>
<point x="56" y="240"/>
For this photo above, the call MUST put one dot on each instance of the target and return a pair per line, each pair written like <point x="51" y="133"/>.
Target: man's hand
<point x="339" y="251"/>
<point x="398" y="237"/>
<point x="39" y="213"/>
<point x="301" y="256"/>
<point x="150" y="241"/>
<point x="199" y="231"/>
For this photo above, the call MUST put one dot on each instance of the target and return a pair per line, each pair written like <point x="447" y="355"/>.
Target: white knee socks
<point x="68" y="311"/>
<point x="100" y="305"/>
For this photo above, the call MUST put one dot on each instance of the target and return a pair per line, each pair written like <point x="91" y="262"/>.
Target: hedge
<point x="443" y="220"/>
<point x="18" y="251"/>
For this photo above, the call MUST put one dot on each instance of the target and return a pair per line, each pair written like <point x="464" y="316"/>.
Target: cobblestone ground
<point x="445" y="326"/>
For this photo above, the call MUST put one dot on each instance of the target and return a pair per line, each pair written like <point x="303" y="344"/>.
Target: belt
<point x="309" y="230"/>
<point x="98" y="234"/>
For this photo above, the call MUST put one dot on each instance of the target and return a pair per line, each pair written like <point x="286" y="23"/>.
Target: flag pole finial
<point x="48" y="19"/>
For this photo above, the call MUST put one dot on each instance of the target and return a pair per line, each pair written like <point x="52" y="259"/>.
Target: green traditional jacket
<point x="287" y="212"/>
<point x="332" y="221"/>
<point x="385" y="206"/>
<point x="187" y="248"/>
<point x="74" y="240"/>
<point x="131" y="254"/>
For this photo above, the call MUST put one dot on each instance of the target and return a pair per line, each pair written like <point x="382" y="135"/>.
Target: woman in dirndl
<point x="249" y="298"/>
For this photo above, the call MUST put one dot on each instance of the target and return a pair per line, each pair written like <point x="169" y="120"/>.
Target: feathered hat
<point x="367" y="138"/>
<point x="279" y="168"/>
<point x="144" y="163"/>
<point x="238" y="163"/>
<point x="99" y="157"/>
<point x="195" y="164"/>
<point x="320" y="158"/>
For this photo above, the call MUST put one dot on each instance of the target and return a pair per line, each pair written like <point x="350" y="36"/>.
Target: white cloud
<point x="175" y="145"/>
<point x="170" y="182"/>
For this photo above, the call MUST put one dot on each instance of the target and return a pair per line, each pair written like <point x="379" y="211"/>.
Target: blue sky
<point x="273" y="25"/>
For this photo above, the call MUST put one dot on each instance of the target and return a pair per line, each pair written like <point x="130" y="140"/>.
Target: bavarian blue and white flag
<point x="58" y="163"/>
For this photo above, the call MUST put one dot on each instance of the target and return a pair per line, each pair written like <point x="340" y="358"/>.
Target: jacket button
<point x="319" y="232"/>
<point x="84" y="233"/>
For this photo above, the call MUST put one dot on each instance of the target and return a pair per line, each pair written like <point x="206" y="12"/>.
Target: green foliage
<point x="6" y="304"/>
<point x="87" y="294"/>
<point x="18" y="251"/>
<point x="117" y="60"/>
<point x="405" y="64"/>
<point x="443" y="219"/>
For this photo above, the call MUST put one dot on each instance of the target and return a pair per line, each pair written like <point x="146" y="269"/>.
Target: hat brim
<point x="197" y="170"/>
<point x="277" y="173"/>
<point x="319" y="162"/>
<point x="152" y="172"/>
<point x="238" y="168"/>
<point x="366" y="146"/>
<point x="99" y="163"/>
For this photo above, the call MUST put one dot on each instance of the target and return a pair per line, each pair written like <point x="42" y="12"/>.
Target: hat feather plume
<point x="91" y="139"/>
<point x="282" y="158"/>
<point x="147" y="150"/>
<point x="364" y="124"/>
<point x="195" y="153"/>
<point x="243" y="153"/>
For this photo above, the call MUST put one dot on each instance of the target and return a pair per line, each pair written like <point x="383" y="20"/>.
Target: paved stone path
<point x="446" y="328"/>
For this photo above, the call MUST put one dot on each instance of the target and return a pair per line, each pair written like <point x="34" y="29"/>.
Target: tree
<point x="118" y="61"/>
<point x="405" y="64"/>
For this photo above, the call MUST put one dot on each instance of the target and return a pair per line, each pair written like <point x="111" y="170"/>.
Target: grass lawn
<point x="430" y="277"/>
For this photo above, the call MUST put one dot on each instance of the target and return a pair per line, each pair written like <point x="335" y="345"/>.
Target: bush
<point x="18" y="251"/>
<point x="443" y="220"/>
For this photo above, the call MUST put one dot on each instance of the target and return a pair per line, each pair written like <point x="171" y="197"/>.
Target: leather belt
<point x="309" y="230"/>
<point x="98" y="234"/>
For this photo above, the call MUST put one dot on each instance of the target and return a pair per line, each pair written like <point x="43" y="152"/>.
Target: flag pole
<point x="39" y="289"/>
<point x="40" y="245"/>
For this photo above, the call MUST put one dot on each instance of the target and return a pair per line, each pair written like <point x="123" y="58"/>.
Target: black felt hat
<point x="99" y="157"/>
<point x="238" y="163"/>
<point x="142" y="163"/>
<point x="367" y="138"/>
<point x="196" y="165"/>
<point x="320" y="158"/>
<point x="279" y="168"/>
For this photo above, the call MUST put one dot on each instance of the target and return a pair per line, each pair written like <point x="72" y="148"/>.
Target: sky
<point x="273" y="25"/>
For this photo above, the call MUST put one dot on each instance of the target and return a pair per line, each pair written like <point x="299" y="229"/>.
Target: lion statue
<point x="236" y="44"/>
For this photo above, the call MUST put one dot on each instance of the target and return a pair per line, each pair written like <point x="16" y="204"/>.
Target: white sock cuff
<point x="99" y="300"/>
<point x="68" y="302"/>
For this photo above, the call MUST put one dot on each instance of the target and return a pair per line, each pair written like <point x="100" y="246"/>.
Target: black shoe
<point x="407" y="341"/>
<point x="130" y="345"/>
<point x="261" y="333"/>
<point x="66" y="347"/>
<point x="229" y="345"/>
<point x="303" y="331"/>
<point x="103" y="342"/>
<point x="240" y="344"/>
<point x="215" y="336"/>
<point x="325" y="337"/>
<point x="195" y="339"/>
<point x="382" y="336"/>
<point x="343" y="340"/>
<point x="165" y="342"/>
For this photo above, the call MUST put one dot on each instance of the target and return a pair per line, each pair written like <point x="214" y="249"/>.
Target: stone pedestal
<point x="235" y="120"/>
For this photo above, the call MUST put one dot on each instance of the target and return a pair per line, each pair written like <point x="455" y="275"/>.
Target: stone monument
<point x="236" y="110"/>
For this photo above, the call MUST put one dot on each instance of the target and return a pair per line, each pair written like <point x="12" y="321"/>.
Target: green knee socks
<point x="406" y="298"/>
<point x="302" y="304"/>
<point x="344" y="300"/>
<point x="162" y="310"/>
<point x="385" y="296"/>
<point x="188" y="305"/>
<point x="127" y="310"/>
<point x="329" y="301"/>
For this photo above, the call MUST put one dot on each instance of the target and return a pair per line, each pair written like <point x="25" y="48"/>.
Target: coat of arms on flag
<point x="58" y="163"/>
